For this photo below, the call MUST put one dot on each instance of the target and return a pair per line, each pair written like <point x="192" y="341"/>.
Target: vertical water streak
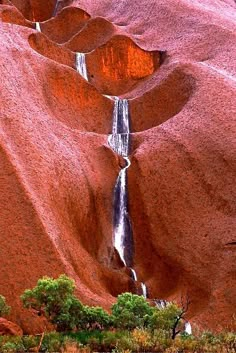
<point x="144" y="290"/>
<point x="160" y="303"/>
<point x="188" y="328"/>
<point x="123" y="241"/>
<point x="119" y="142"/>
<point x="80" y="64"/>
<point x="37" y="26"/>
<point x="134" y="274"/>
<point x="120" y="117"/>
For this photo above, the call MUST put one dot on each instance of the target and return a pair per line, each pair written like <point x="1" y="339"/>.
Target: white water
<point x="119" y="142"/>
<point x="144" y="290"/>
<point x="120" y="227"/>
<point x="80" y="64"/>
<point x="160" y="303"/>
<point x="37" y="26"/>
<point x="119" y="139"/>
<point x="134" y="274"/>
<point x="188" y="328"/>
<point x="120" y="117"/>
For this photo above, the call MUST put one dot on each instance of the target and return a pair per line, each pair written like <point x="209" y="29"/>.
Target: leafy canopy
<point x="54" y="299"/>
<point x="165" y="318"/>
<point x="131" y="311"/>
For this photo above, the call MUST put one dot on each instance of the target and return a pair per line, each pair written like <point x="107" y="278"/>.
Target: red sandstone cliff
<point x="176" y="61"/>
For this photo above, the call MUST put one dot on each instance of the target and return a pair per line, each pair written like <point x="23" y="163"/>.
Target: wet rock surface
<point x="58" y="172"/>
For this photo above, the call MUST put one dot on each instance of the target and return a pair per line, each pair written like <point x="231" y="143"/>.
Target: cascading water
<point x="188" y="328"/>
<point x="37" y="26"/>
<point x="160" y="303"/>
<point x="144" y="290"/>
<point x="80" y="64"/>
<point x="134" y="275"/>
<point x="119" y="139"/>
<point x="119" y="142"/>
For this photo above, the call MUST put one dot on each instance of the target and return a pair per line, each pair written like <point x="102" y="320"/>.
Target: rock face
<point x="9" y="328"/>
<point x="175" y="61"/>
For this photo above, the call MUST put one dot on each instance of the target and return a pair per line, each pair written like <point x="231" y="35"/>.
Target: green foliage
<point x="14" y="345"/>
<point x="52" y="342"/>
<point x="98" y="318"/>
<point x="131" y="311"/>
<point x="9" y="347"/>
<point x="164" y="319"/>
<point x="4" y="308"/>
<point x="30" y="342"/>
<point x="138" y="340"/>
<point x="54" y="299"/>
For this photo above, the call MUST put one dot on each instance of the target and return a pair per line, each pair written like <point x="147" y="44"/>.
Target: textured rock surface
<point x="58" y="173"/>
<point x="9" y="328"/>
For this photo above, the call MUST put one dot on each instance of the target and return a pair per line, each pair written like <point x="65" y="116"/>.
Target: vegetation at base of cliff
<point x="55" y="300"/>
<point x="134" y="325"/>
<point x="137" y="340"/>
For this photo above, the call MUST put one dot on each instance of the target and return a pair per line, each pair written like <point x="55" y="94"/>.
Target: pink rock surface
<point x="58" y="173"/>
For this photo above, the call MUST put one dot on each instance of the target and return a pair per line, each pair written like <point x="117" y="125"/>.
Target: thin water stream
<point x="80" y="64"/>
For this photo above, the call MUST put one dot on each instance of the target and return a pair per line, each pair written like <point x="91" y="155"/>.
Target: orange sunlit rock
<point x="35" y="10"/>
<point x="115" y="67"/>
<point x="96" y="33"/>
<point x="10" y="14"/>
<point x="65" y="25"/>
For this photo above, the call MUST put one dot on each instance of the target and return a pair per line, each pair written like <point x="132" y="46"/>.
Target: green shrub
<point x="4" y="308"/>
<point x="109" y="341"/>
<point x="131" y="311"/>
<point x="161" y="340"/>
<point x="166" y="318"/>
<point x="54" y="299"/>
<point x="30" y="342"/>
<point x="14" y="345"/>
<point x="126" y="344"/>
<point x="97" y="317"/>
<point x="52" y="342"/>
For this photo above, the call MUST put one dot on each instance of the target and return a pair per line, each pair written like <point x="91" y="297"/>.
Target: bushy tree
<point x="54" y="299"/>
<point x="165" y="318"/>
<point x="4" y="308"/>
<point x="97" y="317"/>
<point x="131" y="311"/>
<point x="169" y="318"/>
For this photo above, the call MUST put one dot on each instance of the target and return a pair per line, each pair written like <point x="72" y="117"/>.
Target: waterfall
<point x="144" y="290"/>
<point x="37" y="26"/>
<point x="80" y="64"/>
<point x="123" y="240"/>
<point x="188" y="328"/>
<point x="160" y="303"/>
<point x="134" y="275"/>
<point x="119" y="142"/>
<point x="119" y="139"/>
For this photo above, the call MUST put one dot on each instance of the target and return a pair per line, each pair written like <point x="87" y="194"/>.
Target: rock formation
<point x="9" y="328"/>
<point x="175" y="62"/>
